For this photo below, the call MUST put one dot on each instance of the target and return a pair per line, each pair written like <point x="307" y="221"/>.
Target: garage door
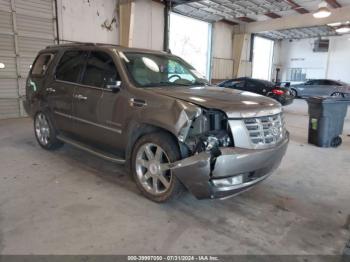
<point x="26" y="26"/>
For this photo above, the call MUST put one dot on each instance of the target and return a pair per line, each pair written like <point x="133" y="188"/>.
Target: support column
<point x="241" y="55"/>
<point x="167" y="10"/>
<point x="126" y="22"/>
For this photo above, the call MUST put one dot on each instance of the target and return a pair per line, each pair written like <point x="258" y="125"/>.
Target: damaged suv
<point x="155" y="113"/>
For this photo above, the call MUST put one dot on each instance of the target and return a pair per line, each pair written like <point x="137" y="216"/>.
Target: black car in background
<point x="261" y="87"/>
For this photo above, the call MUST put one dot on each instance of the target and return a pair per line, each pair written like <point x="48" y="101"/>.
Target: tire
<point x="337" y="141"/>
<point x="45" y="133"/>
<point x="294" y="93"/>
<point x="337" y="94"/>
<point x="150" y="154"/>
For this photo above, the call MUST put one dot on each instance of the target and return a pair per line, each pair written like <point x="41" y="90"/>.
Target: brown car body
<point x="108" y="121"/>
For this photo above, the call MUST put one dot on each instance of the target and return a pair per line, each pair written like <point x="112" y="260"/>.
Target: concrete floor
<point x="68" y="202"/>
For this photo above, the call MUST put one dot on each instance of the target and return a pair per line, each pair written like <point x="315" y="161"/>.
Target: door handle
<point x="80" y="97"/>
<point x="50" y="90"/>
<point x="137" y="102"/>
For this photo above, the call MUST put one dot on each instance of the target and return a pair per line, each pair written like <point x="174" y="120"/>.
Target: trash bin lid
<point x="327" y="100"/>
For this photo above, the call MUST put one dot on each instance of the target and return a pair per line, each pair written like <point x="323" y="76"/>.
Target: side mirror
<point x="114" y="86"/>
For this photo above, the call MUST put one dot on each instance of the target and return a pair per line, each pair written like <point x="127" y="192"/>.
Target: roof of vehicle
<point x="251" y="79"/>
<point x="323" y="79"/>
<point x="101" y="45"/>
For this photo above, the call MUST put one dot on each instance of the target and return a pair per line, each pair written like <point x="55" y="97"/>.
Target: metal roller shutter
<point x="26" y="26"/>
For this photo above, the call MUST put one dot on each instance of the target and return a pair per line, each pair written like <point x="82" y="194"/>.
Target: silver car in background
<point x="321" y="87"/>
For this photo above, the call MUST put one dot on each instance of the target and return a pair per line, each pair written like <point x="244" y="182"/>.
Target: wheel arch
<point x="296" y="91"/>
<point x="137" y="130"/>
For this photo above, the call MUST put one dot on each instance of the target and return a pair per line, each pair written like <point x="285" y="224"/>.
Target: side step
<point x="101" y="154"/>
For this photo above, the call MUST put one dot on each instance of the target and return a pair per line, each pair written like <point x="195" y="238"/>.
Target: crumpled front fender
<point x="175" y="116"/>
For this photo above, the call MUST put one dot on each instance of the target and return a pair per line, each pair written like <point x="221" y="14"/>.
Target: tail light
<point x="278" y="92"/>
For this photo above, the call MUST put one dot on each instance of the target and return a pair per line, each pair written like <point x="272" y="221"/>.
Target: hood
<point x="235" y="103"/>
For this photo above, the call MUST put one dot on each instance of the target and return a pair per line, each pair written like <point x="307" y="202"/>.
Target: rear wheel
<point x="45" y="133"/>
<point x="337" y="94"/>
<point x="151" y="157"/>
<point x="294" y="92"/>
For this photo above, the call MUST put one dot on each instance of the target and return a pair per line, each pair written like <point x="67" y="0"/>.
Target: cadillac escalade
<point x="156" y="114"/>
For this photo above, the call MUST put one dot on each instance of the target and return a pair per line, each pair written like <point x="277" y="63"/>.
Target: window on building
<point x="263" y="50"/>
<point x="191" y="40"/>
<point x="296" y="75"/>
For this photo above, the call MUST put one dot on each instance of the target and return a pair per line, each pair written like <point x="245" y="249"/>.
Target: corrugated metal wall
<point x="26" y="26"/>
<point x="222" y="69"/>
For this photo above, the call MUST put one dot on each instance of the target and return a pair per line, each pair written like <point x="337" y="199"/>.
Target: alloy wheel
<point x="152" y="169"/>
<point x="293" y="92"/>
<point x="42" y="129"/>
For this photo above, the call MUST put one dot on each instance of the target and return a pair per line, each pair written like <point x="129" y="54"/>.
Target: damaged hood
<point x="235" y="103"/>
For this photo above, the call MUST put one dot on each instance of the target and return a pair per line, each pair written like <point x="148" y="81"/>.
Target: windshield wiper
<point x="163" y="84"/>
<point x="175" y="84"/>
<point x="197" y="83"/>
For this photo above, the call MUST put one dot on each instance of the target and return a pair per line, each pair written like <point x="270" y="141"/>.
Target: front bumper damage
<point x="199" y="172"/>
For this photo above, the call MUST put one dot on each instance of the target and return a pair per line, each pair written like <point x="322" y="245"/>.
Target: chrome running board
<point x="98" y="153"/>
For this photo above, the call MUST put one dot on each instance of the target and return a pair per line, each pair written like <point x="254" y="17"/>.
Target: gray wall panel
<point x="35" y="28"/>
<point x="9" y="108"/>
<point x="7" y="45"/>
<point x="6" y="25"/>
<point x="8" y="88"/>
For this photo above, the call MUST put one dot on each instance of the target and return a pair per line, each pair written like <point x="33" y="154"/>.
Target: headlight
<point x="208" y="132"/>
<point x="217" y="139"/>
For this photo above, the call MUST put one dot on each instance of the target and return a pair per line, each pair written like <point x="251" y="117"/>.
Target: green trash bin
<point x="326" y="120"/>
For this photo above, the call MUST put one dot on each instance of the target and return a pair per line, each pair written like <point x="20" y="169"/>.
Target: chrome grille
<point x="267" y="130"/>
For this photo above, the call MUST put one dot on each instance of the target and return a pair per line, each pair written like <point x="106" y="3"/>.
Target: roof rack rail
<point x="73" y="44"/>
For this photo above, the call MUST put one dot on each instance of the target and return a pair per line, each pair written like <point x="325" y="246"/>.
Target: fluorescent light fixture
<point x="335" y="24"/>
<point x="2" y="65"/>
<point x="343" y="30"/>
<point x="323" y="11"/>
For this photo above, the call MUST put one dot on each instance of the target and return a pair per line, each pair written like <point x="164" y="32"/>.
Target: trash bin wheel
<point x="336" y="141"/>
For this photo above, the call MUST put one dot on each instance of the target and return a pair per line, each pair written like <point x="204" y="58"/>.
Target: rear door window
<point x="70" y="66"/>
<point x="331" y="83"/>
<point x="238" y="84"/>
<point x="41" y="64"/>
<point x="310" y="83"/>
<point x="254" y="86"/>
<point x="100" y="70"/>
<point x="227" y="84"/>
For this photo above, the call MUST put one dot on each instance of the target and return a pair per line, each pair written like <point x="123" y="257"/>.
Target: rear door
<point x="312" y="88"/>
<point x="38" y="76"/>
<point x="93" y="101"/>
<point x="330" y="87"/>
<point x="255" y="87"/>
<point x="60" y="91"/>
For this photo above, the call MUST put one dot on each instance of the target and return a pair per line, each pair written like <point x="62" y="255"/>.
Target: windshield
<point x="152" y="70"/>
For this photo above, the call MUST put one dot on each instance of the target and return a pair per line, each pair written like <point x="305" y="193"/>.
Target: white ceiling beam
<point x="295" y="21"/>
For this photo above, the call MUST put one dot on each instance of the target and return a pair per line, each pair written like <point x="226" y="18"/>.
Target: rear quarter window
<point x="41" y="64"/>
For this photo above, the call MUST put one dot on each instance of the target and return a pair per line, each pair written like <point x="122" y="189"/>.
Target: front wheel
<point x="294" y="92"/>
<point x="151" y="157"/>
<point x="45" y="133"/>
